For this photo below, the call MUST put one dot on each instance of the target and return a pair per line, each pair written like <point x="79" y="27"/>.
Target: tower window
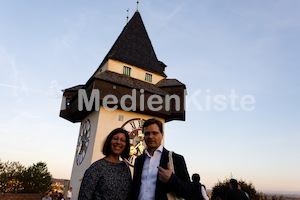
<point x="127" y="71"/>
<point x="68" y="101"/>
<point x="148" y="77"/>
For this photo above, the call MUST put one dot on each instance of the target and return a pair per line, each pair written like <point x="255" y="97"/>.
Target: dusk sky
<point x="218" y="48"/>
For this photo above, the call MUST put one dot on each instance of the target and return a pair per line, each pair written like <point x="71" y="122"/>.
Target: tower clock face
<point x="83" y="141"/>
<point x="136" y="138"/>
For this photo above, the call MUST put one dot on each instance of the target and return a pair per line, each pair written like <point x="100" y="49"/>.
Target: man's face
<point x="153" y="137"/>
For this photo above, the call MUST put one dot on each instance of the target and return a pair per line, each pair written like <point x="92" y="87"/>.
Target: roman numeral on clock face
<point x="137" y="124"/>
<point x="133" y="125"/>
<point x="141" y="123"/>
<point x="137" y="144"/>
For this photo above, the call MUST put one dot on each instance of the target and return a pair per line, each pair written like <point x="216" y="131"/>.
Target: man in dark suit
<point x="234" y="193"/>
<point x="153" y="177"/>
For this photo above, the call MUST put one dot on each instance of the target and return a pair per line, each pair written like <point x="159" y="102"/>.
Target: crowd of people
<point x="59" y="196"/>
<point x="158" y="174"/>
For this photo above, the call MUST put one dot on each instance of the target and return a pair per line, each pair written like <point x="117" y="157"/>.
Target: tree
<point x="249" y="189"/>
<point x="37" y="179"/>
<point x="15" y="178"/>
<point x="220" y="189"/>
<point x="10" y="173"/>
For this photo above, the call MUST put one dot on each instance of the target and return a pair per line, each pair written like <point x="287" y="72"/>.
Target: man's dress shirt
<point x="149" y="175"/>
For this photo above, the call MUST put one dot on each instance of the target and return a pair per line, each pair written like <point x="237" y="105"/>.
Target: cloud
<point x="9" y="72"/>
<point x="54" y="90"/>
<point x="163" y="18"/>
<point x="72" y="34"/>
<point x="173" y="13"/>
<point x="23" y="89"/>
<point x="11" y="79"/>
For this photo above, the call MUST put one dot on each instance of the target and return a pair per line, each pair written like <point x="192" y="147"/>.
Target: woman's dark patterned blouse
<point x="106" y="180"/>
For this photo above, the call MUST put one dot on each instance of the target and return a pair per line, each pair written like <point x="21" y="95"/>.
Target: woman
<point x="199" y="190"/>
<point x="109" y="178"/>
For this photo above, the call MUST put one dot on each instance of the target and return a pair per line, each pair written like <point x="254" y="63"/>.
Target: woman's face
<point x="118" y="144"/>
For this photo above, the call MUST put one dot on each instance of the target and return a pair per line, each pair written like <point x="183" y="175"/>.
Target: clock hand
<point x="79" y="147"/>
<point x="141" y="148"/>
<point x="141" y="135"/>
<point x="132" y="151"/>
<point x="138" y="144"/>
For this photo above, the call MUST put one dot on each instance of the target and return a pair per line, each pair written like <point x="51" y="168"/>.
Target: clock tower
<point x="128" y="87"/>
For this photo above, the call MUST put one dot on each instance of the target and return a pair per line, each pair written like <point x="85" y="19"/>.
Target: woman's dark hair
<point x="153" y="121"/>
<point x="106" y="147"/>
<point x="196" y="178"/>
<point x="196" y="192"/>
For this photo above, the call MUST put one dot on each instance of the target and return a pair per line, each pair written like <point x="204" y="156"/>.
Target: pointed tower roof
<point x="134" y="47"/>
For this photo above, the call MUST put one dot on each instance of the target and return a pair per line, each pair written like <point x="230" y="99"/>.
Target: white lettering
<point x="106" y="102"/>
<point x="132" y="97"/>
<point x="248" y="100"/>
<point x="88" y="104"/>
<point x="151" y="101"/>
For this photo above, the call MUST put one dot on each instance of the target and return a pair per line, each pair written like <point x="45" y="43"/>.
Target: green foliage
<point x="10" y="173"/>
<point x="220" y="189"/>
<point x="15" y="178"/>
<point x="36" y="179"/>
<point x="249" y="189"/>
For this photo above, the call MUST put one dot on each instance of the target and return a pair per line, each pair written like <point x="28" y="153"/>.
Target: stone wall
<point x="21" y="196"/>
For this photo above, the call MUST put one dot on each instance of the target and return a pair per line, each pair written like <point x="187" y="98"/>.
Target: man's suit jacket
<point x="179" y="183"/>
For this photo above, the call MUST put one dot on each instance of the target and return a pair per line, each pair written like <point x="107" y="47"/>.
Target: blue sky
<point x="214" y="47"/>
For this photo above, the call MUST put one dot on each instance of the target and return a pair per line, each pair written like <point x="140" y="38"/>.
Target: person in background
<point x="69" y="194"/>
<point x="153" y="177"/>
<point x="60" y="196"/>
<point x="199" y="191"/>
<point x="240" y="188"/>
<point x="234" y="193"/>
<point x="47" y="197"/>
<point x="109" y="178"/>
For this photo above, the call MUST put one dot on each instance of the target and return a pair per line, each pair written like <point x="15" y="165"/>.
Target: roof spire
<point x="134" y="47"/>
<point x="127" y="15"/>
<point x="137" y="6"/>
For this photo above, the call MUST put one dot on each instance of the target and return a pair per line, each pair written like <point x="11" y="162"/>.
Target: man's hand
<point x="164" y="174"/>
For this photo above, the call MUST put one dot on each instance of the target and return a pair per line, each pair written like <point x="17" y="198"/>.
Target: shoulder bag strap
<point x="171" y="161"/>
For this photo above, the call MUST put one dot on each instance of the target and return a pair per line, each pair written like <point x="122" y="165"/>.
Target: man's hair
<point x="234" y="183"/>
<point x="153" y="121"/>
<point x="106" y="147"/>
<point x="196" y="178"/>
